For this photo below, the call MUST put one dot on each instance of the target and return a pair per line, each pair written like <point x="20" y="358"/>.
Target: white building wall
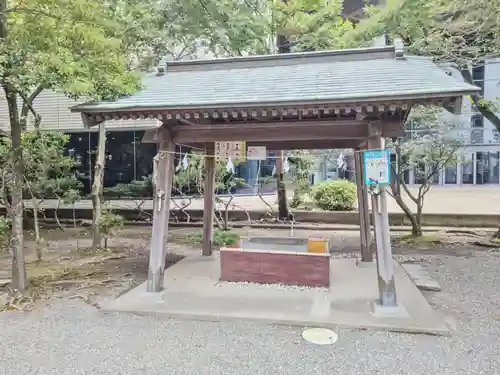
<point x="491" y="92"/>
<point x="54" y="109"/>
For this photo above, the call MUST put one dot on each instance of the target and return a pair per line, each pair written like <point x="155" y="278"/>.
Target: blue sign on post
<point x="377" y="167"/>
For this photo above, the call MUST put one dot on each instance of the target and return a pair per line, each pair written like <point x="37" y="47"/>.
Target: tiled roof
<point x="344" y="76"/>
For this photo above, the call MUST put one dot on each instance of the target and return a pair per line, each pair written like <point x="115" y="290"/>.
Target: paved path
<point x="456" y="200"/>
<point x="72" y="338"/>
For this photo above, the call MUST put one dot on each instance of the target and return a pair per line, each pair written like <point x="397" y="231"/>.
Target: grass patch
<point x="93" y="252"/>
<point x="40" y="275"/>
<point x="431" y="239"/>
<point x="220" y="237"/>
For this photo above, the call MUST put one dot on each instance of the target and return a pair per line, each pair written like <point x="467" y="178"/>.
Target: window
<point x="144" y="154"/>
<point x="78" y="147"/>
<point x="468" y="170"/>
<point x="477" y="132"/>
<point x="487" y="168"/>
<point x="478" y="79"/>
<point x="127" y="158"/>
<point x="450" y="174"/>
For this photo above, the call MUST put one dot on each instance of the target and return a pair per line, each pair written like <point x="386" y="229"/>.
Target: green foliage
<point x="221" y="238"/>
<point x="190" y="180"/>
<point x="48" y="172"/>
<point x="66" y="45"/>
<point x="313" y="25"/>
<point x="302" y="161"/>
<point x="432" y="142"/>
<point x="4" y="232"/>
<point x="336" y="195"/>
<point x="229" y="27"/>
<point x="135" y="189"/>
<point x="459" y="33"/>
<point x="109" y="224"/>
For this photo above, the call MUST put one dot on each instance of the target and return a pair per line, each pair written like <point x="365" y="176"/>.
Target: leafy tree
<point x="459" y="33"/>
<point x="431" y="146"/>
<point x="48" y="173"/>
<point x="312" y="25"/>
<point x="65" y="45"/>
<point x="302" y="161"/>
<point x="295" y="25"/>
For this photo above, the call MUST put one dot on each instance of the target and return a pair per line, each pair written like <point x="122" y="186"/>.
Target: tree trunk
<point x="486" y="111"/>
<point x="283" y="212"/>
<point x="497" y="234"/>
<point x="36" y="223"/>
<point x="416" y="228"/>
<point x="97" y="188"/>
<point x="16" y="245"/>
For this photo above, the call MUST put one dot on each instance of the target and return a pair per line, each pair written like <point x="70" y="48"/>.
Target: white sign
<point x="256" y="153"/>
<point x="235" y="150"/>
<point x="377" y="167"/>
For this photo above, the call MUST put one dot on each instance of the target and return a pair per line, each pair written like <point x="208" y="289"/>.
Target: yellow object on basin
<point x="317" y="245"/>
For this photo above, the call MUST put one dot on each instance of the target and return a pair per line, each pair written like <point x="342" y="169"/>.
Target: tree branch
<point x="28" y="10"/>
<point x="28" y="106"/>
<point x="476" y="99"/>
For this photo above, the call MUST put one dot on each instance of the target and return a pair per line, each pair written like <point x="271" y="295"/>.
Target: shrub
<point x="110" y="223"/>
<point x="336" y="195"/>
<point x="221" y="238"/>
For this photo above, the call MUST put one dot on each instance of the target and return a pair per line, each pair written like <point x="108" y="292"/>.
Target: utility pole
<point x="385" y="263"/>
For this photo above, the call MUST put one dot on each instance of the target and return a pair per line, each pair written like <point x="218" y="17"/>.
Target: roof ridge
<point x="285" y="59"/>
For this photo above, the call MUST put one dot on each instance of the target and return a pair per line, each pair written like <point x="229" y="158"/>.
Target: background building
<point x="127" y="158"/>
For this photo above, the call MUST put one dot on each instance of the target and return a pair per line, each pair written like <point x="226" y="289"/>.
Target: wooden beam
<point x="294" y="145"/>
<point x="208" y="200"/>
<point x="280" y="131"/>
<point x="266" y="133"/>
<point x="88" y="121"/>
<point x="363" y="210"/>
<point x="162" y="192"/>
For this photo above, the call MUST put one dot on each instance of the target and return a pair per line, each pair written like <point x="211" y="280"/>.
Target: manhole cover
<point x="320" y="336"/>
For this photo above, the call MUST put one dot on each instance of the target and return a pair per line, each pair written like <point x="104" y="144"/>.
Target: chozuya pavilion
<point x="350" y="98"/>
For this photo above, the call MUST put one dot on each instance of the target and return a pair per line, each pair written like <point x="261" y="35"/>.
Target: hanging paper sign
<point x="377" y="167"/>
<point x="235" y="150"/>
<point x="286" y="165"/>
<point x="256" y="153"/>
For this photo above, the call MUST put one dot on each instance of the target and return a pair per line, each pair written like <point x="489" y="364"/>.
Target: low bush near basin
<point x="336" y="195"/>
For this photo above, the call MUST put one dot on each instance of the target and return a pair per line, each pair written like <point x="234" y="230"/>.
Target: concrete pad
<point x="421" y="277"/>
<point x="193" y="291"/>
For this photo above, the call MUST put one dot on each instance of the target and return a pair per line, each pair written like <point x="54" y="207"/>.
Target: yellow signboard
<point x="235" y="150"/>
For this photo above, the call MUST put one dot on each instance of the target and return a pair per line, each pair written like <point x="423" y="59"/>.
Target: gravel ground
<point x="73" y="338"/>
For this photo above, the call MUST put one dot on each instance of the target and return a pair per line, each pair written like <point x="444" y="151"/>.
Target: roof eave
<point x="82" y="108"/>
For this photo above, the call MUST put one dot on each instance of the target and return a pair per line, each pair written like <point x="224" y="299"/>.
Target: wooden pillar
<point x="385" y="265"/>
<point x="162" y="180"/>
<point x="208" y="200"/>
<point x="364" y="213"/>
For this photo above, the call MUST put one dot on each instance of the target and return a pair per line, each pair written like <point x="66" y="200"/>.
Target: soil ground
<point x="71" y="269"/>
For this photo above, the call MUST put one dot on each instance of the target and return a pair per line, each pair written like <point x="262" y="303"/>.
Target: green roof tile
<point x="368" y="74"/>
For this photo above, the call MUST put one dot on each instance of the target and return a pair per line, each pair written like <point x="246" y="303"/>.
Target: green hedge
<point x="336" y="195"/>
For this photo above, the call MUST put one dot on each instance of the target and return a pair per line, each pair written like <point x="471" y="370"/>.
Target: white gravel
<point x="73" y="338"/>
<point x="271" y="286"/>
